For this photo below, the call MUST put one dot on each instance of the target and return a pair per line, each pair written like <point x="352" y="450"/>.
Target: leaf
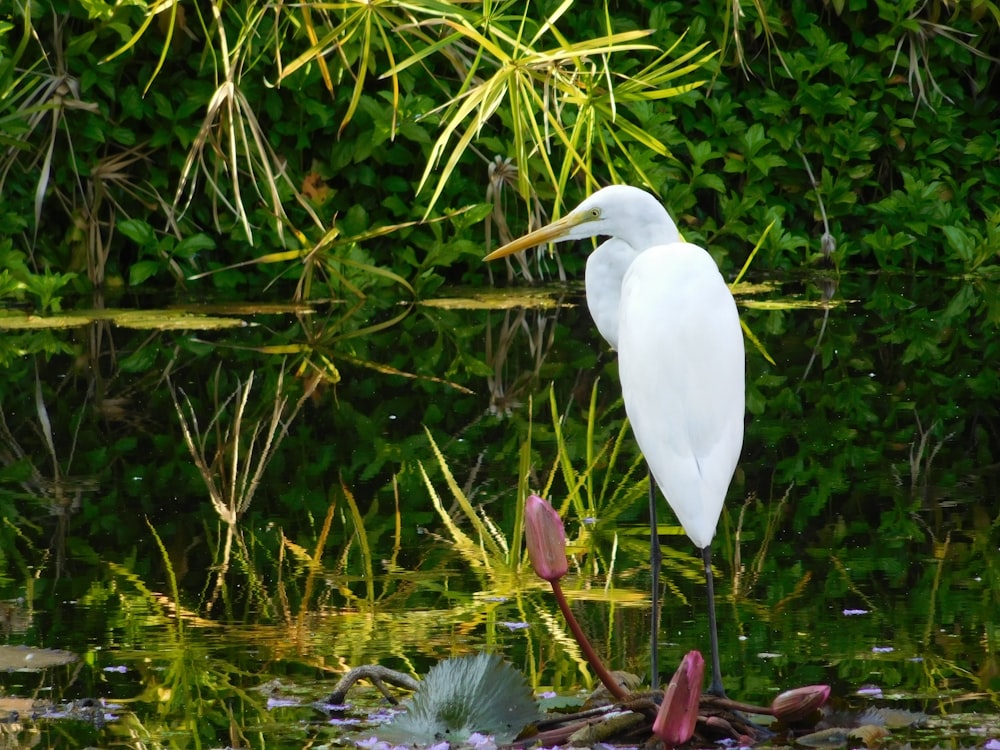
<point x="462" y="696"/>
<point x="833" y="737"/>
<point x="142" y="270"/>
<point x="961" y="243"/>
<point x="893" y="718"/>
<point x="870" y="734"/>
<point x="138" y="231"/>
<point x="191" y="246"/>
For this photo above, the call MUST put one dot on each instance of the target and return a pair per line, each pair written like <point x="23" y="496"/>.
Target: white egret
<point x="665" y="307"/>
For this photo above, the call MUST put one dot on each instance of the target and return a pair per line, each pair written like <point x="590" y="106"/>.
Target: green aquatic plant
<point x="490" y="549"/>
<point x="602" y="489"/>
<point x="462" y="696"/>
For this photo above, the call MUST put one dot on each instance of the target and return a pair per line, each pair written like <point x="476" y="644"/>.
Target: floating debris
<point x="28" y="659"/>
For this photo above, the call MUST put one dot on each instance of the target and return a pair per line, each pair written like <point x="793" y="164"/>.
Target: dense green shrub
<point x="145" y="146"/>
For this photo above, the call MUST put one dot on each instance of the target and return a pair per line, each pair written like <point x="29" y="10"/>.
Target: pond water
<point x="218" y="523"/>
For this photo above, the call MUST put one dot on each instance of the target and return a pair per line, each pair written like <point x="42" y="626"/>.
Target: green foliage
<point x="859" y="127"/>
<point x="863" y="121"/>
<point x="203" y="120"/>
<point x="153" y="249"/>
<point x="868" y="473"/>
<point x="44" y="291"/>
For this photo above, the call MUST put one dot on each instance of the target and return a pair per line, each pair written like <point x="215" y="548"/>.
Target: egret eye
<point x="595" y="213"/>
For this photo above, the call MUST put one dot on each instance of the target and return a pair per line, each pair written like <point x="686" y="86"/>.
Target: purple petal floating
<point x="872" y="691"/>
<point x="482" y="741"/>
<point x="282" y="703"/>
<point x="121" y="669"/>
<point x="993" y="744"/>
<point x="382" y="715"/>
<point x="335" y="722"/>
<point x="882" y="649"/>
<point x="855" y="612"/>
<point x="515" y="625"/>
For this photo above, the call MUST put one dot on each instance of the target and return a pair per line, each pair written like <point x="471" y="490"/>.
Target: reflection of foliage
<point x="183" y="681"/>
<point x="231" y="457"/>
<point x="54" y="488"/>
<point x="875" y="457"/>
<point x="834" y="437"/>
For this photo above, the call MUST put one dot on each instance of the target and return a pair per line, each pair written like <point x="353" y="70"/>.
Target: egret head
<point x="627" y="213"/>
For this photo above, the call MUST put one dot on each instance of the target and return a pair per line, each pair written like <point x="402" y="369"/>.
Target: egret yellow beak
<point x="550" y="233"/>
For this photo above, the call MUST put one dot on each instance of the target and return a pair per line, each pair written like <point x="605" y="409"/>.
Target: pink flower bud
<point x="678" y="714"/>
<point x="800" y="703"/>
<point x="546" y="539"/>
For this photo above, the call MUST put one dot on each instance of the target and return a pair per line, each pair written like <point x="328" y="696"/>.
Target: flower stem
<point x="588" y="651"/>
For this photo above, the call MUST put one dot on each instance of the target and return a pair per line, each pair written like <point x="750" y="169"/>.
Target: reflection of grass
<point x="506" y="572"/>
<point x="54" y="489"/>
<point x="231" y="457"/>
<point x="489" y="549"/>
<point x="595" y="493"/>
<point x="183" y="682"/>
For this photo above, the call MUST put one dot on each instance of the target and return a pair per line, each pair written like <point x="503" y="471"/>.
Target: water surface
<point x="859" y="546"/>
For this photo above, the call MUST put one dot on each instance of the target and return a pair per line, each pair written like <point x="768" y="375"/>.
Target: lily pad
<point x="172" y="320"/>
<point x="19" y="321"/>
<point x="161" y="320"/>
<point x="791" y="303"/>
<point x="28" y="659"/>
<point x="462" y="696"/>
<point x="503" y="299"/>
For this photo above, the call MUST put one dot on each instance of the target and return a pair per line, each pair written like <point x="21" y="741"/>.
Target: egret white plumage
<point x="665" y="307"/>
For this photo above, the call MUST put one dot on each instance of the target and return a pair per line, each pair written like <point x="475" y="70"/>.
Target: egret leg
<point x="655" y="561"/>
<point x="716" y="688"/>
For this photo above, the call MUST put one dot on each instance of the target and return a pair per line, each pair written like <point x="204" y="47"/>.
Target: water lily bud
<point x="546" y="539"/>
<point x="678" y="714"/>
<point x="800" y="703"/>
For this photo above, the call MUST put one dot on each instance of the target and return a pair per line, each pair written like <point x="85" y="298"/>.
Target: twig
<point x="377" y="675"/>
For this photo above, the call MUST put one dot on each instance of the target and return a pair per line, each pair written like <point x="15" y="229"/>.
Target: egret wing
<point x="682" y="369"/>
